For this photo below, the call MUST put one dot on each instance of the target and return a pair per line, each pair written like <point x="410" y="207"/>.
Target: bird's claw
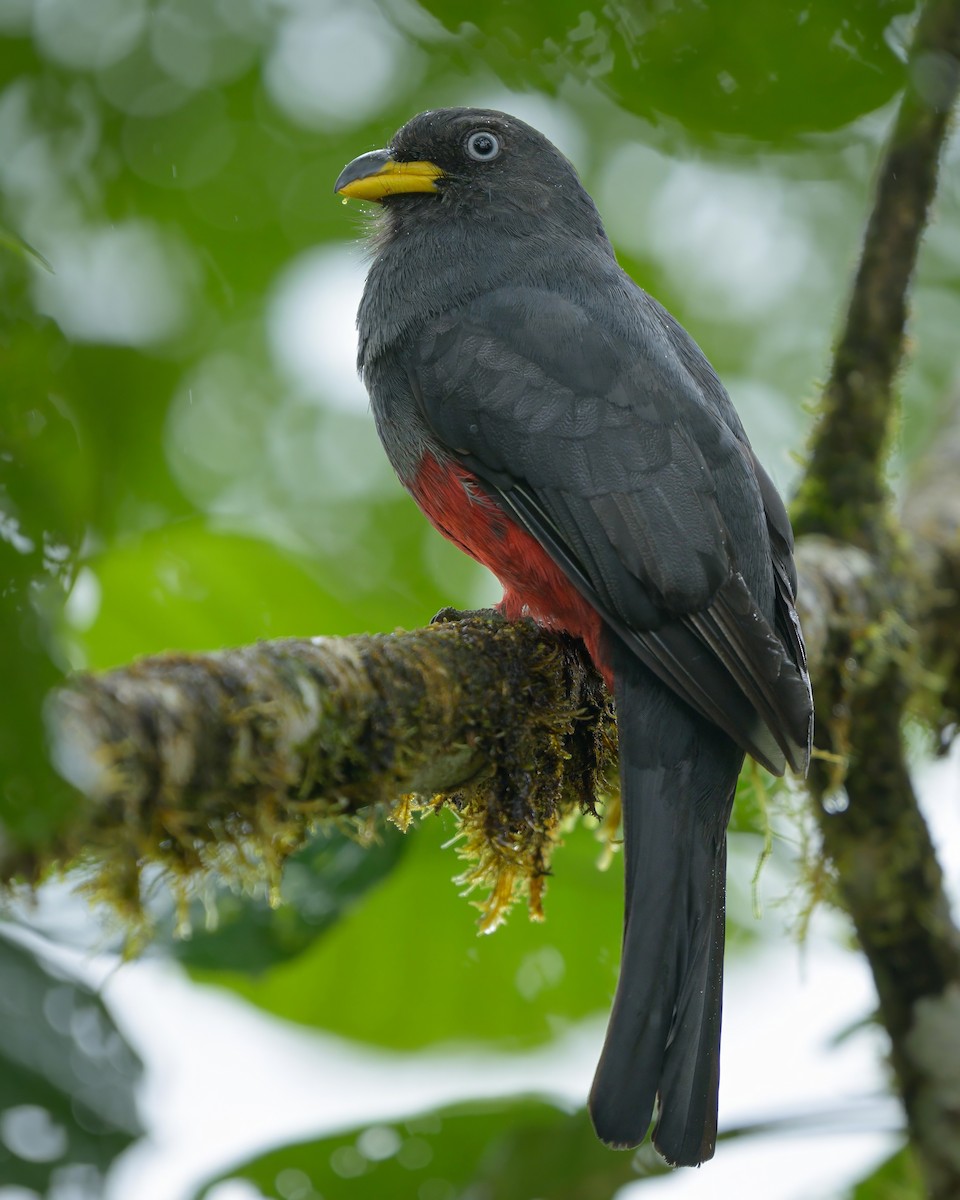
<point x="445" y="615"/>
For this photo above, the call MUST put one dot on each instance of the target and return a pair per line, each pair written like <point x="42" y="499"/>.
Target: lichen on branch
<point x="880" y="657"/>
<point x="225" y="763"/>
<point x="844" y="492"/>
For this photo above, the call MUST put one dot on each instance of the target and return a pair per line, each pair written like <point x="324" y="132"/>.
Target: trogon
<point x="557" y="424"/>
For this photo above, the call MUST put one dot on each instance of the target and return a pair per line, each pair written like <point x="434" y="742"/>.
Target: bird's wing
<point x="786" y="621"/>
<point x="603" y="448"/>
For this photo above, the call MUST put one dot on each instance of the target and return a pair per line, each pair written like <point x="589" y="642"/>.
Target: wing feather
<point x="631" y="468"/>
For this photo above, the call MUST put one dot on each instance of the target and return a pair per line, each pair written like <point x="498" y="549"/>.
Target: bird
<point x="556" y="423"/>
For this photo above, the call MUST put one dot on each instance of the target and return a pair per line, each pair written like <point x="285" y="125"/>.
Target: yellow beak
<point x="376" y="175"/>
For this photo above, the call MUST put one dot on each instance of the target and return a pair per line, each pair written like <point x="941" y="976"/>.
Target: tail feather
<point x="678" y="774"/>
<point x="686" y="1130"/>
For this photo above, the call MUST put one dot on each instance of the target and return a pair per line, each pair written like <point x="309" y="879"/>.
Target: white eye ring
<point x="482" y="145"/>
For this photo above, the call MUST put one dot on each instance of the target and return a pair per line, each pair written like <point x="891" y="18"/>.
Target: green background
<point x="186" y="462"/>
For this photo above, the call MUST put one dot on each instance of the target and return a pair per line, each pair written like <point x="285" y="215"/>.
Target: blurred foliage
<point x="517" y="987"/>
<point x="185" y="457"/>
<point x="898" y="1178"/>
<point x="505" y="1150"/>
<point x="44" y="501"/>
<point x="511" y="1149"/>
<point x="721" y="68"/>
<point x="321" y="884"/>
<point x="67" y="1081"/>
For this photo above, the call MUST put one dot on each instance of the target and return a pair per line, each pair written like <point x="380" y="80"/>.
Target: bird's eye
<point x="482" y="146"/>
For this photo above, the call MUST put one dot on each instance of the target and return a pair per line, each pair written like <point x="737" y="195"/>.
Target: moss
<point x="221" y="766"/>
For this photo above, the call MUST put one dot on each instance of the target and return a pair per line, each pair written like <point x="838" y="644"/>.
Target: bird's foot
<point x="445" y="615"/>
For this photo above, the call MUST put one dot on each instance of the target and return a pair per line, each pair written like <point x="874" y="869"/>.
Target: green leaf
<point x="189" y="587"/>
<point x="13" y="244"/>
<point x="508" y="1149"/>
<point x="741" y="68"/>
<point x="514" y="1148"/>
<point x="407" y="968"/>
<point x="898" y="1178"/>
<point x="68" y="1078"/>
<point x="45" y="497"/>
<point x="33" y="800"/>
<point x="561" y="1159"/>
<point x="321" y="884"/>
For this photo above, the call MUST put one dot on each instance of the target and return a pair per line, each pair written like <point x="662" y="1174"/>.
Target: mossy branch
<point x="874" y="834"/>
<point x="931" y="524"/>
<point x="844" y="492"/>
<point x="210" y="762"/>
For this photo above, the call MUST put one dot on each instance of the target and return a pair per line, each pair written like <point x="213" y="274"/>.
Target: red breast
<point x="533" y="585"/>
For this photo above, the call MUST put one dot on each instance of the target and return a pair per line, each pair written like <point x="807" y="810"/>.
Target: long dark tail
<point x="678" y="774"/>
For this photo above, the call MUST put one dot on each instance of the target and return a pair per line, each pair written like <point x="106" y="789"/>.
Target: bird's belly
<point x="533" y="584"/>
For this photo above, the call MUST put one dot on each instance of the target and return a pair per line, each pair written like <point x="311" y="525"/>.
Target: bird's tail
<point x="678" y="774"/>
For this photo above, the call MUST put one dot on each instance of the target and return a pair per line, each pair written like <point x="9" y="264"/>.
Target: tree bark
<point x="874" y="834"/>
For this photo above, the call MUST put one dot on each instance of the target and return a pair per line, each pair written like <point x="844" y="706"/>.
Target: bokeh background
<point x="187" y="462"/>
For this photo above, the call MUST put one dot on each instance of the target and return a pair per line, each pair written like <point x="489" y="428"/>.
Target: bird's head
<point x="479" y="160"/>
